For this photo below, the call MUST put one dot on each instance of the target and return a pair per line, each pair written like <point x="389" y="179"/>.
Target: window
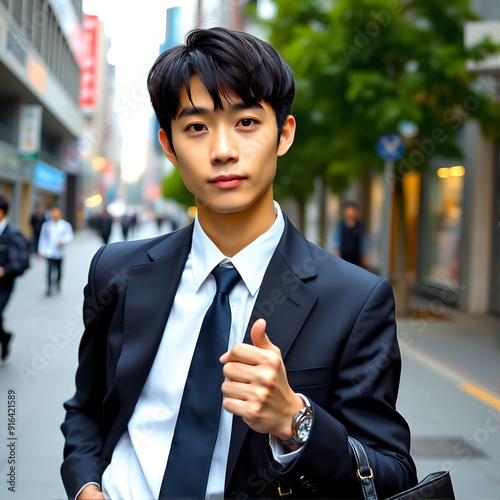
<point x="442" y="226"/>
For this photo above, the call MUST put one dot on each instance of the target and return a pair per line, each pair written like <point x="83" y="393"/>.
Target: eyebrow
<point x="237" y="106"/>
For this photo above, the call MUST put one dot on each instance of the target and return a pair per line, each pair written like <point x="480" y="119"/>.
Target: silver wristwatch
<point x="301" y="427"/>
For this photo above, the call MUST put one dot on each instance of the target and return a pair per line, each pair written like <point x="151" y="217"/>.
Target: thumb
<point x="259" y="336"/>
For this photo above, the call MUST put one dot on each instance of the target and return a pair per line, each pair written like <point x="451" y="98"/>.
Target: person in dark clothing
<point x="104" y="226"/>
<point x="14" y="259"/>
<point x="126" y="223"/>
<point x="349" y="239"/>
<point x="37" y="219"/>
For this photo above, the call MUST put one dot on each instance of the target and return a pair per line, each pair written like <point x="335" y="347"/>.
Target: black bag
<point x="434" y="486"/>
<point x="14" y="252"/>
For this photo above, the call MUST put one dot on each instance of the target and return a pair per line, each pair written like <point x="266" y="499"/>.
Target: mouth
<point x="227" y="181"/>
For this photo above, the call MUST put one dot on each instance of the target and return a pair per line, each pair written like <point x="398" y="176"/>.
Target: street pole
<point x="386" y="225"/>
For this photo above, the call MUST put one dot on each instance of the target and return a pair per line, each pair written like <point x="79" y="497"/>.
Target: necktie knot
<point x="225" y="278"/>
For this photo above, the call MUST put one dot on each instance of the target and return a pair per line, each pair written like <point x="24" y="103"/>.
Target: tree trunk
<point x="301" y="204"/>
<point x="400" y="274"/>
<point x="322" y="219"/>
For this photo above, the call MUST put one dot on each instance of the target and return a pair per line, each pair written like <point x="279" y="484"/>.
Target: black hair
<point x="4" y="204"/>
<point x="350" y="203"/>
<point x="226" y="61"/>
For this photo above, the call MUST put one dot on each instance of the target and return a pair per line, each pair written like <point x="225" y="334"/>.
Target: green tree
<point x="363" y="66"/>
<point x="173" y="187"/>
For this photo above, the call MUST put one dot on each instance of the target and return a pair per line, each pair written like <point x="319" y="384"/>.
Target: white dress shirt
<point x="3" y="225"/>
<point x="53" y="236"/>
<point x="140" y="456"/>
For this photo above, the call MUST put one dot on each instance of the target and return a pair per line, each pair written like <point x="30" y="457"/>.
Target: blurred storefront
<point x="452" y="210"/>
<point x="442" y="227"/>
<point x="39" y="111"/>
<point x="495" y="266"/>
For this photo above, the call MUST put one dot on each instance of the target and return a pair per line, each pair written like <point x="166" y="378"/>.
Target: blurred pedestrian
<point x="174" y="219"/>
<point x="126" y="223"/>
<point x="133" y="223"/>
<point x="14" y="260"/>
<point x="104" y="225"/>
<point x="38" y="217"/>
<point x="349" y="239"/>
<point x="159" y="221"/>
<point x="55" y="234"/>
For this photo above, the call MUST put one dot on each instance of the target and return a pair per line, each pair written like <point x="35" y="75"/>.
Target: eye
<point x="247" y="122"/>
<point x="196" y="127"/>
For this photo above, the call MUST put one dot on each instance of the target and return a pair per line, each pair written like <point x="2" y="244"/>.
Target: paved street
<point x="450" y="395"/>
<point x="450" y="390"/>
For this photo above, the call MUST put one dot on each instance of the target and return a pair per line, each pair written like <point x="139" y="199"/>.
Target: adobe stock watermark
<point x="363" y="36"/>
<point x="40" y="358"/>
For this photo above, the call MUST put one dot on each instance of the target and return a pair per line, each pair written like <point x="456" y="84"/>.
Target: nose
<point x="223" y="146"/>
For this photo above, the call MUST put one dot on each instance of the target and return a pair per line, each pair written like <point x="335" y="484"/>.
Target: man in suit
<point x="14" y="259"/>
<point x="312" y="356"/>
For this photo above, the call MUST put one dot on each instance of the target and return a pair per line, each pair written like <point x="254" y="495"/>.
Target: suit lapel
<point x="285" y="302"/>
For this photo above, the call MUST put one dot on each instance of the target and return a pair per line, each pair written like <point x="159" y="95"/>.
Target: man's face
<point x="56" y="214"/>
<point x="351" y="212"/>
<point x="227" y="158"/>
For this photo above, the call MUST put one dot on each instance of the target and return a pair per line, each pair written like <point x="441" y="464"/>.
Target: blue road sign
<point x="390" y="146"/>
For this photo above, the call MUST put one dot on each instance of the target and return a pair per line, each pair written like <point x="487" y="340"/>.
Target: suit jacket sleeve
<point x="82" y="427"/>
<point x="362" y="404"/>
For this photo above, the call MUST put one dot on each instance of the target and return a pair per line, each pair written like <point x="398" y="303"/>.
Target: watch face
<point x="304" y="428"/>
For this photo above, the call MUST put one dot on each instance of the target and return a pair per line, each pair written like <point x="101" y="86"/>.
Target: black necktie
<point x="197" y="426"/>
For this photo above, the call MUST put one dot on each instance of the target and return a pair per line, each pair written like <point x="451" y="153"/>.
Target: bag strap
<point x="364" y="472"/>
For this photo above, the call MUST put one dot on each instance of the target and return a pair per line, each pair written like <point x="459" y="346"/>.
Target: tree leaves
<point x="361" y="67"/>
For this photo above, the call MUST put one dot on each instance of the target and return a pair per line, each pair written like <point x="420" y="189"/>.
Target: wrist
<point x="286" y="431"/>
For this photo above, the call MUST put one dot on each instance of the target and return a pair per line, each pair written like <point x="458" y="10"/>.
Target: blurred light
<point x="266" y="9"/>
<point x="455" y="171"/>
<point x="317" y="116"/>
<point x="412" y="66"/>
<point x="98" y="163"/>
<point x="407" y="129"/>
<point x="117" y="208"/>
<point x="93" y="201"/>
<point x="443" y="173"/>
<point x="153" y="192"/>
<point x="192" y="211"/>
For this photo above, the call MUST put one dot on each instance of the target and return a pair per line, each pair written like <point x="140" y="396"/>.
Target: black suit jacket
<point x="334" y="323"/>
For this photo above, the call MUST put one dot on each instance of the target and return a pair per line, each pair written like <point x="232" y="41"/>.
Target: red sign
<point x="89" y="62"/>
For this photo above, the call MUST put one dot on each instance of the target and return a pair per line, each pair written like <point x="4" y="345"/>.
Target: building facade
<point x="39" y="104"/>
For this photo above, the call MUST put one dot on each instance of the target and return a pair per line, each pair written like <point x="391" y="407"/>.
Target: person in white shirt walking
<point x="55" y="234"/>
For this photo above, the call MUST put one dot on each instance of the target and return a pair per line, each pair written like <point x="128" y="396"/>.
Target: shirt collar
<point x="3" y="224"/>
<point x="251" y="262"/>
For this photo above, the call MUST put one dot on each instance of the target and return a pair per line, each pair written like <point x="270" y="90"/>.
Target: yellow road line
<point x="481" y="395"/>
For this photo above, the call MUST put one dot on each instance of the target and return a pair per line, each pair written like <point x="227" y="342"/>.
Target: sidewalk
<point x="450" y="395"/>
<point x="39" y="374"/>
<point x="450" y="385"/>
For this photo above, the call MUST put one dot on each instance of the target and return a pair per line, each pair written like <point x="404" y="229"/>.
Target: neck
<point x="234" y="231"/>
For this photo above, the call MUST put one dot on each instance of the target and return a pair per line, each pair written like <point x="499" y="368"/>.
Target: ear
<point x="167" y="148"/>
<point x="287" y="135"/>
